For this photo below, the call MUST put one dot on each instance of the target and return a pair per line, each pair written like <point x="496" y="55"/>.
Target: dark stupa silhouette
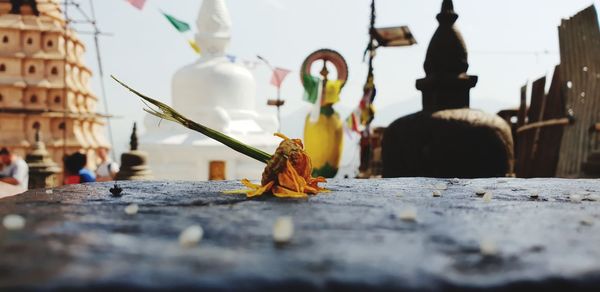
<point x="446" y="138"/>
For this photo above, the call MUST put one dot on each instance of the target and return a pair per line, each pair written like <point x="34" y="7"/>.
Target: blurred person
<point x="107" y="169"/>
<point x="15" y="170"/>
<point x="75" y="170"/>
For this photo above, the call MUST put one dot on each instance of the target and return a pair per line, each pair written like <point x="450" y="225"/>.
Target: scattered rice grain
<point x="480" y="192"/>
<point x="408" y="214"/>
<point x="13" y="222"/>
<point x="441" y="186"/>
<point x="49" y="192"/>
<point x="576" y="198"/>
<point x="488" y="248"/>
<point x="132" y="209"/>
<point x="588" y="221"/>
<point x="437" y="193"/>
<point x="487" y="197"/>
<point x="283" y="230"/>
<point x="191" y="236"/>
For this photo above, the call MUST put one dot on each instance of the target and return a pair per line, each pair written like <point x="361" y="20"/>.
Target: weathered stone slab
<point x="351" y="238"/>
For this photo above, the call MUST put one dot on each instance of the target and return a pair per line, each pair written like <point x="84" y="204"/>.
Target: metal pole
<point x="101" y="75"/>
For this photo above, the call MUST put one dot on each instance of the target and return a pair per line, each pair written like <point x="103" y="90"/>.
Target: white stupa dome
<point x="217" y="93"/>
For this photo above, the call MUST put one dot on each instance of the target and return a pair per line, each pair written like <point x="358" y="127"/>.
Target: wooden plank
<point x="580" y="64"/>
<point x="546" y="159"/>
<point x="521" y="146"/>
<point x="534" y="114"/>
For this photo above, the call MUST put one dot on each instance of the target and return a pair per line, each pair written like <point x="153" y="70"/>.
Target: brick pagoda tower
<point x="44" y="83"/>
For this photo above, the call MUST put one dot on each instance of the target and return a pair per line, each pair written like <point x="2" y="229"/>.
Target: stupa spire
<point x="446" y="84"/>
<point x="214" y="27"/>
<point x="447" y="16"/>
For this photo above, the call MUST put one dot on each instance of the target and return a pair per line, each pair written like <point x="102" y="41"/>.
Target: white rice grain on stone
<point x="13" y="222"/>
<point x="480" y="192"/>
<point x="437" y="193"/>
<point x="408" y="214"/>
<point x="441" y="186"/>
<point x="132" y="209"/>
<point x="576" y="198"/>
<point x="191" y="236"/>
<point x="283" y="230"/>
<point x="487" y="197"/>
<point x="588" y="221"/>
<point x="488" y="248"/>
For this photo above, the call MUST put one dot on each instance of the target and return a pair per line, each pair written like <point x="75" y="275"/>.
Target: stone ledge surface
<point x="349" y="239"/>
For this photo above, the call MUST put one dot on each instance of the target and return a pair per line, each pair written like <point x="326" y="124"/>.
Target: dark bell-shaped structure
<point x="134" y="164"/>
<point x="446" y="138"/>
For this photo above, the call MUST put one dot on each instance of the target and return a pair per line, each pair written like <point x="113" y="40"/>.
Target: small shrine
<point x="134" y="164"/>
<point x="42" y="170"/>
<point x="219" y="94"/>
<point x="44" y="83"/>
<point x="446" y="138"/>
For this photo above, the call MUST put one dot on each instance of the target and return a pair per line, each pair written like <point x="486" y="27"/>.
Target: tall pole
<point x="101" y="75"/>
<point x="65" y="98"/>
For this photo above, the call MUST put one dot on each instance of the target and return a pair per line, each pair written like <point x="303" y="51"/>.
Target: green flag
<point x="311" y="87"/>
<point x="178" y="24"/>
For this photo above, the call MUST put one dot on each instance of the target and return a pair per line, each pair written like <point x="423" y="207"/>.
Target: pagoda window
<point x="1" y="97"/>
<point x="36" y="126"/>
<point x="5" y="39"/>
<point x="61" y="126"/>
<point x="29" y="41"/>
<point x="2" y="68"/>
<point x="33" y="99"/>
<point x="49" y="44"/>
<point x="31" y="69"/>
<point x="54" y="71"/>
<point x="57" y="99"/>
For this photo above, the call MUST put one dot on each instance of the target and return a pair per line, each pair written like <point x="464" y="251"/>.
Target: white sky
<point x="145" y="50"/>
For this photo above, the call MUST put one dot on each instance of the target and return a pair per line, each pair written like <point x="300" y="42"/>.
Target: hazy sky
<point x="509" y="42"/>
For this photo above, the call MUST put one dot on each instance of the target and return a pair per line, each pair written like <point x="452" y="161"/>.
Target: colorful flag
<point x="332" y="91"/>
<point x="311" y="88"/>
<point x="279" y="75"/>
<point x="195" y="46"/>
<point x="139" y="4"/>
<point x="178" y="24"/>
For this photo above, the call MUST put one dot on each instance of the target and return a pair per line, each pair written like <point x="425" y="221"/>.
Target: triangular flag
<point x="139" y="4"/>
<point x="279" y="75"/>
<point x="195" y="46"/>
<point x="178" y="24"/>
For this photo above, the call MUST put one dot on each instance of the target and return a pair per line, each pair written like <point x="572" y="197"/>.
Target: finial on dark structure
<point x="447" y="14"/>
<point x="446" y="84"/>
<point x="133" y="143"/>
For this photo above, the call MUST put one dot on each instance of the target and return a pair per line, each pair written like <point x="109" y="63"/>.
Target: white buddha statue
<point x="219" y="94"/>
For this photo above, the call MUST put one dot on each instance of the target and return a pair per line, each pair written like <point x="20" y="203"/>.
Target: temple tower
<point x="44" y="83"/>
